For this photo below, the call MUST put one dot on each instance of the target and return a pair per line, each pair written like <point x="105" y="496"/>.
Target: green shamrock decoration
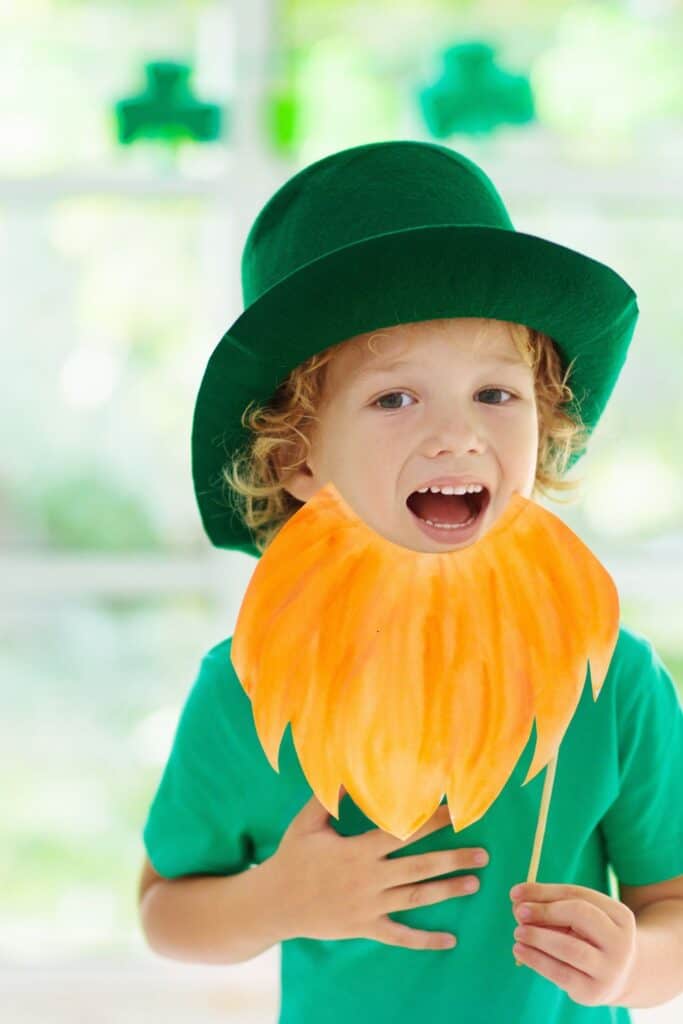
<point x="167" y="109"/>
<point x="474" y="96"/>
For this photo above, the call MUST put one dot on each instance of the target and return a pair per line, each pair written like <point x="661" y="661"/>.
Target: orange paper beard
<point x="407" y="674"/>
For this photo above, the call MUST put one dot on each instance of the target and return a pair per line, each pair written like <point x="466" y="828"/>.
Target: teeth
<point x="467" y="489"/>
<point x="451" y="526"/>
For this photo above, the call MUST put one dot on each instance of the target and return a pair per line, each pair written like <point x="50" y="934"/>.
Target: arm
<point x="657" y="972"/>
<point x="213" y="919"/>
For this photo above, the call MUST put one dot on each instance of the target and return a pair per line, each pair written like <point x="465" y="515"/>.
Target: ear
<point x="301" y="483"/>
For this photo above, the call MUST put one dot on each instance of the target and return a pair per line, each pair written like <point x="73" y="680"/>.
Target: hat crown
<point x="359" y="193"/>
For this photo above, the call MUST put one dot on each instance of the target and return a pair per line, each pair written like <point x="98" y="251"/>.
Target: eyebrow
<point x="375" y="368"/>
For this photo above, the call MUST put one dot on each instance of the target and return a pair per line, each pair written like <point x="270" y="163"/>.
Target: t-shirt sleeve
<point x="196" y="823"/>
<point x="643" y="827"/>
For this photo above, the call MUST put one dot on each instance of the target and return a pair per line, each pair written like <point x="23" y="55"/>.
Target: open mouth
<point x="449" y="512"/>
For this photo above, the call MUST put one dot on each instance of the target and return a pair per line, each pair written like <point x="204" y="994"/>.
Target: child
<point x="511" y="346"/>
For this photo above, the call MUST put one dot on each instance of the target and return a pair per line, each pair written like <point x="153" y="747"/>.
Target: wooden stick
<point x="540" y="825"/>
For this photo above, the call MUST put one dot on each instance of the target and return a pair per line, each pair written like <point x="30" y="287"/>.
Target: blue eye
<point x="501" y="391"/>
<point x="484" y="391"/>
<point x="391" y="395"/>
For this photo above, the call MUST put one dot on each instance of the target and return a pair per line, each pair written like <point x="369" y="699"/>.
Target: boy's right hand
<point x="344" y="887"/>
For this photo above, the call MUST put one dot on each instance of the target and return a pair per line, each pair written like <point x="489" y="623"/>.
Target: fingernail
<point x="524" y="912"/>
<point x="516" y="891"/>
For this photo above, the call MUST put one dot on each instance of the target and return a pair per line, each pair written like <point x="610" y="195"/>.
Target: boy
<point x="408" y="244"/>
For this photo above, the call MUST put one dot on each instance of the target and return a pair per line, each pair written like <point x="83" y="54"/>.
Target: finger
<point x="589" y="922"/>
<point x="541" y="892"/>
<point x="395" y="934"/>
<point x="575" y="982"/>
<point x="420" y="866"/>
<point x="422" y="894"/>
<point x="561" y="946"/>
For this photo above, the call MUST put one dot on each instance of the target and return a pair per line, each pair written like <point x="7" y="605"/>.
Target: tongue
<point x="441" y="508"/>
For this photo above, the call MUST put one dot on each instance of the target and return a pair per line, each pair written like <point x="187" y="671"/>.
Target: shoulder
<point x="632" y="646"/>
<point x="643" y="685"/>
<point x="635" y="663"/>
<point x="216" y="661"/>
<point x="217" y="688"/>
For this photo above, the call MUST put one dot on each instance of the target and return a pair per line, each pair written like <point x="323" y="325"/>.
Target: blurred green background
<point x="121" y="272"/>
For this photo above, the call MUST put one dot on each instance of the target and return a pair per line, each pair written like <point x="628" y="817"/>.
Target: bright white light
<point x="153" y="736"/>
<point x="651" y="8"/>
<point x="86" y="910"/>
<point x="630" y="493"/>
<point x="88" y="376"/>
<point x="67" y="809"/>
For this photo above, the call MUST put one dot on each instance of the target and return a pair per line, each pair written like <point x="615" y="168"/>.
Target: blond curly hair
<point x="254" y="472"/>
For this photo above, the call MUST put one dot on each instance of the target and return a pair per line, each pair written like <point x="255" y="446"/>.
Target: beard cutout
<point x="408" y="674"/>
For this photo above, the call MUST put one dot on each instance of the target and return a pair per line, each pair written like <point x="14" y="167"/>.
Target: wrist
<point x="274" y="893"/>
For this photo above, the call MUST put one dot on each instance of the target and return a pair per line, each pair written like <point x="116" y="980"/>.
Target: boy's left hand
<point x="581" y="939"/>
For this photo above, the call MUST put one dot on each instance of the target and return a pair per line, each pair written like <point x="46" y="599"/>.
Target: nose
<point x="453" y="431"/>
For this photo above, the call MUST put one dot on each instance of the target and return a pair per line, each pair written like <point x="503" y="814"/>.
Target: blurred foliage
<point x="607" y="102"/>
<point x="580" y="56"/>
<point x="99" y="697"/>
<point x="283" y="120"/>
<point x="87" y="511"/>
<point x="112" y="292"/>
<point x="513" y="10"/>
<point x="70" y="62"/>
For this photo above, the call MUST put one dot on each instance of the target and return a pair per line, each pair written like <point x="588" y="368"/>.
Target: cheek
<point x="372" y="471"/>
<point x="521" y="435"/>
<point x="517" y="454"/>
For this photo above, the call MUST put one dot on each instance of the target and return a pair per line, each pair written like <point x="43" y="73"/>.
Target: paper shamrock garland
<point x="406" y="674"/>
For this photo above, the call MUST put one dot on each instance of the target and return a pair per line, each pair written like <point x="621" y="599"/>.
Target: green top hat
<point x="383" y="234"/>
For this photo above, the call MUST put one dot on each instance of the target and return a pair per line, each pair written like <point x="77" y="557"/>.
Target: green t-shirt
<point x="617" y="800"/>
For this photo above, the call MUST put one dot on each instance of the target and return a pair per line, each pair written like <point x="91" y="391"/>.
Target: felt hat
<point x="382" y="234"/>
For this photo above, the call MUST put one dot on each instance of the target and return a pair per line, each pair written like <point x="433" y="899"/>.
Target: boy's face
<point x="448" y="422"/>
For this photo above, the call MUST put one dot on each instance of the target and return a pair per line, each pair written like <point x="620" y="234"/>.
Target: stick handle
<point x="540" y="825"/>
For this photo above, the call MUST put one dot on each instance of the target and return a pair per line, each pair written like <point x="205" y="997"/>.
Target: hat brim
<point x="421" y="273"/>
